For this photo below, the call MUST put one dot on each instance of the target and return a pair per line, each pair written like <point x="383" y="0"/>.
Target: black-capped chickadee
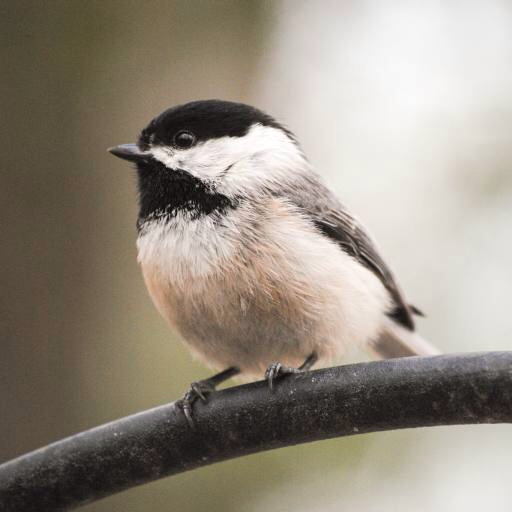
<point x="249" y="256"/>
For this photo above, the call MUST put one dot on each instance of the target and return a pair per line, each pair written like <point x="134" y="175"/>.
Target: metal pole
<point x="322" y="404"/>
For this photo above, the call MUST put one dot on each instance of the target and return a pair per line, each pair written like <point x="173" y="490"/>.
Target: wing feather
<point x="335" y="221"/>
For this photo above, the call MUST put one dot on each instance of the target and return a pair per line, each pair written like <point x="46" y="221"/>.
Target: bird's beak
<point x="130" y="152"/>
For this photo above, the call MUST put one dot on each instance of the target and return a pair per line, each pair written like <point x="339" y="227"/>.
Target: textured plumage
<point x="337" y="223"/>
<point x="248" y="255"/>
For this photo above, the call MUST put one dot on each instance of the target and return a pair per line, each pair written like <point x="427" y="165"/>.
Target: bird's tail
<point x="397" y="341"/>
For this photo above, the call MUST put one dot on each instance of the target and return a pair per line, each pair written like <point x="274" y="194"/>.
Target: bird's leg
<point x="202" y="388"/>
<point x="277" y="369"/>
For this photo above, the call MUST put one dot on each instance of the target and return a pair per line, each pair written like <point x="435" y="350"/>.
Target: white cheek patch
<point x="238" y="164"/>
<point x="175" y="159"/>
<point x="207" y="160"/>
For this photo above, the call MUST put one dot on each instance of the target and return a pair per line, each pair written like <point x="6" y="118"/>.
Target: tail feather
<point x="397" y="341"/>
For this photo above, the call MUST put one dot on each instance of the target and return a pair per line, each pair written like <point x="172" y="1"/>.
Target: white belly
<point x="247" y="294"/>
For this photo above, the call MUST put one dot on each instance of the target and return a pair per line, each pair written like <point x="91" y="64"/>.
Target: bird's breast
<point x="257" y="288"/>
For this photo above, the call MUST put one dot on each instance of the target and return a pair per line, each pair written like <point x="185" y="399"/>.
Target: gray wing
<point x="333" y="220"/>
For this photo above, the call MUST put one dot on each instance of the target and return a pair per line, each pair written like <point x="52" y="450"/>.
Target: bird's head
<point x="206" y="156"/>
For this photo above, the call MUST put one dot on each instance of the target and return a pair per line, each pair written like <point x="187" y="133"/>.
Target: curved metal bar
<point x="322" y="404"/>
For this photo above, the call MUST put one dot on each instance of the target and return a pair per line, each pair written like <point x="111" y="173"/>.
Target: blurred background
<point x="405" y="108"/>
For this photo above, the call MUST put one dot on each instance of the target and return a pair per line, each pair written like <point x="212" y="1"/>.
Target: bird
<point x="250" y="257"/>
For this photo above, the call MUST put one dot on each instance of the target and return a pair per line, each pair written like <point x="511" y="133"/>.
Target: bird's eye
<point x="184" y="139"/>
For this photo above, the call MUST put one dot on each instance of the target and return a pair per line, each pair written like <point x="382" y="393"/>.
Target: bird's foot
<point x="276" y="370"/>
<point x="202" y="389"/>
<point x="198" y="390"/>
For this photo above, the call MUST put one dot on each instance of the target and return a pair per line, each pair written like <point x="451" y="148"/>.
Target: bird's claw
<point x="277" y="369"/>
<point x="271" y="373"/>
<point x="200" y="389"/>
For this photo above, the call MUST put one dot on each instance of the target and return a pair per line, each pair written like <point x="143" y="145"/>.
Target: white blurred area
<point x="442" y="470"/>
<point x="406" y="108"/>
